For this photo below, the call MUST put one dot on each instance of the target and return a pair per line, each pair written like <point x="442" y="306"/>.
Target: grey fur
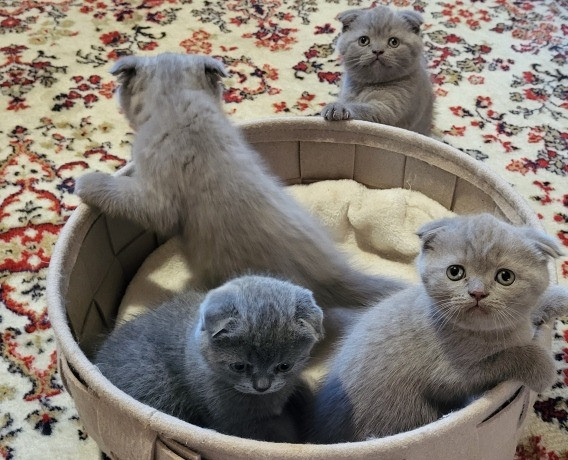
<point x="393" y="88"/>
<point x="196" y="176"/>
<point x="552" y="306"/>
<point x="176" y="358"/>
<point x="424" y="352"/>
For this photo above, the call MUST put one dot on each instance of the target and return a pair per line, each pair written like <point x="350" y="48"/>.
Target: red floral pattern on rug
<point x="501" y="79"/>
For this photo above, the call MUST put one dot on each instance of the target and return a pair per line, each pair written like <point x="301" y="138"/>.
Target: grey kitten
<point x="196" y="176"/>
<point x="385" y="79"/>
<point x="231" y="364"/>
<point x="427" y="350"/>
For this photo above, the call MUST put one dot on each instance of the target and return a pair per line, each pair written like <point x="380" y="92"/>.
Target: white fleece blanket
<point x="375" y="228"/>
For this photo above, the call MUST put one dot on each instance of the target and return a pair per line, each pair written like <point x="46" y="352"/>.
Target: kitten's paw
<point x="543" y="372"/>
<point x="336" y="111"/>
<point x="553" y="305"/>
<point x="89" y="187"/>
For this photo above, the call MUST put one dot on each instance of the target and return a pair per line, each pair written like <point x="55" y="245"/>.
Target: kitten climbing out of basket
<point x="385" y="79"/>
<point x="195" y="176"/>
<point x="226" y="364"/>
<point x="427" y="350"/>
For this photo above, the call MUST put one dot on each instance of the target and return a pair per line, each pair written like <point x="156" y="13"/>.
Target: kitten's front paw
<point x="336" y="111"/>
<point x="553" y="305"/>
<point x="89" y="187"/>
<point x="541" y="372"/>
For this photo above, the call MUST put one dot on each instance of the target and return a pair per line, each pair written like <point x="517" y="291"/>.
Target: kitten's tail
<point x="354" y="289"/>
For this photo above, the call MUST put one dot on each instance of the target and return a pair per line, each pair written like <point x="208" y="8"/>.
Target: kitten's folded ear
<point x="308" y="314"/>
<point x="545" y="244"/>
<point x="428" y="231"/>
<point x="413" y="19"/>
<point x="218" y="313"/>
<point x="214" y="69"/>
<point x="125" y="68"/>
<point x="347" y="17"/>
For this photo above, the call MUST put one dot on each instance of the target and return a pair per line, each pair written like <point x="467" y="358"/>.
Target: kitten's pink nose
<point x="378" y="52"/>
<point x="478" y="294"/>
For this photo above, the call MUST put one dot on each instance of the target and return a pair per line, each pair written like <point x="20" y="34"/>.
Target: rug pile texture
<point x="501" y="80"/>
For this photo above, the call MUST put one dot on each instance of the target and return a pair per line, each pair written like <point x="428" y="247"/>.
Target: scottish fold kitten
<point x="231" y="364"/>
<point x="385" y="79"/>
<point x="426" y="350"/>
<point x="195" y="175"/>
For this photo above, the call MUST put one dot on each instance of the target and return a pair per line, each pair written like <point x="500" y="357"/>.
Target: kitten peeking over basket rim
<point x="382" y="22"/>
<point x="384" y="73"/>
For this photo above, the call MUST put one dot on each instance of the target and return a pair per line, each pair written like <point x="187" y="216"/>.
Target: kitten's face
<point x="265" y="364"/>
<point x="484" y="274"/>
<point x="264" y="335"/>
<point x="144" y="79"/>
<point x="380" y="45"/>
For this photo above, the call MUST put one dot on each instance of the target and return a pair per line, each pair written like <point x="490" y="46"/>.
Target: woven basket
<point x="96" y="257"/>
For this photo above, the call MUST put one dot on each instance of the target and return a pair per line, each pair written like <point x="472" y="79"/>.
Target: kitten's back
<point x="241" y="220"/>
<point x="144" y="357"/>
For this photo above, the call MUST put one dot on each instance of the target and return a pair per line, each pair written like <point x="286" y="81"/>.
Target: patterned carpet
<point x="501" y="76"/>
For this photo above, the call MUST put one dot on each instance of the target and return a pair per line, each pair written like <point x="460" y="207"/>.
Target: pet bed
<point x="96" y="257"/>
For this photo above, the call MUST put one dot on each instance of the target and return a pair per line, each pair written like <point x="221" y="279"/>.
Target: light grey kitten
<point x="385" y="79"/>
<point x="427" y="350"/>
<point x="196" y="176"/>
<point x="231" y="364"/>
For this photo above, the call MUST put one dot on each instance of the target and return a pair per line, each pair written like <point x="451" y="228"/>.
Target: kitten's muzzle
<point x="478" y="295"/>
<point x="478" y="309"/>
<point x="378" y="52"/>
<point x="261" y="384"/>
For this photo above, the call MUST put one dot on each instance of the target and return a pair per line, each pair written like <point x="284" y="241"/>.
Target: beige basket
<point x="96" y="257"/>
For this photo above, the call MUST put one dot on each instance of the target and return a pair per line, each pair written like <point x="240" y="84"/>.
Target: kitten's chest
<point x="228" y="402"/>
<point x="449" y="384"/>
<point x="265" y="405"/>
<point x="368" y="93"/>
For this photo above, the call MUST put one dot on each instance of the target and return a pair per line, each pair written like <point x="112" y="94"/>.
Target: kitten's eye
<point x="505" y="277"/>
<point x="238" y="367"/>
<point x="393" y="42"/>
<point x="455" y="272"/>
<point x="283" y="367"/>
<point x="364" y="40"/>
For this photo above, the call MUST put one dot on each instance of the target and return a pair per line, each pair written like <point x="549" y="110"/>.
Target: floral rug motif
<point x="501" y="79"/>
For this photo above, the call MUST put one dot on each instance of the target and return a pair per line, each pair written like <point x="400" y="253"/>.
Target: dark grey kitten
<point x="428" y="349"/>
<point x="385" y="79"/>
<point x="231" y="364"/>
<point x="196" y="176"/>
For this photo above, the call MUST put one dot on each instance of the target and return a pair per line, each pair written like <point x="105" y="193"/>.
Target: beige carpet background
<point x="501" y="79"/>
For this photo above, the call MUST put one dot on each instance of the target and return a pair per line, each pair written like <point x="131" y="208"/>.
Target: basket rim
<point x="67" y="247"/>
